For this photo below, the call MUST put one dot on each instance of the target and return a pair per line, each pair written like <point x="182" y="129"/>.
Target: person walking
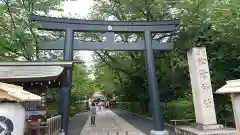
<point x="93" y="112"/>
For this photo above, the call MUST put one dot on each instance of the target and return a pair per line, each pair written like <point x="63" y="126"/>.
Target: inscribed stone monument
<point x="206" y="123"/>
<point x="201" y="86"/>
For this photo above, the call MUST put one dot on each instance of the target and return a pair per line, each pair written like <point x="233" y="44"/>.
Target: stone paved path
<point x="108" y="122"/>
<point x="112" y="121"/>
<point x="142" y="123"/>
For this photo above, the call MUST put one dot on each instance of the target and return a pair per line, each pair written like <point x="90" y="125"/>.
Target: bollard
<point x="117" y="133"/>
<point x="126" y="132"/>
<point x="108" y="133"/>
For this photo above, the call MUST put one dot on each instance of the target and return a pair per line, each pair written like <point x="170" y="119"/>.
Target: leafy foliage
<point x="18" y="38"/>
<point x="82" y="85"/>
<point x="213" y="24"/>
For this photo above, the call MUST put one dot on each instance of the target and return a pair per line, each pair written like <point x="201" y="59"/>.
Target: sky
<point x="82" y="8"/>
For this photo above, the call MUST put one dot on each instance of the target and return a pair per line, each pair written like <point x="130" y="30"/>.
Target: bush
<point x="51" y="111"/>
<point x="180" y="109"/>
<point x="77" y="108"/>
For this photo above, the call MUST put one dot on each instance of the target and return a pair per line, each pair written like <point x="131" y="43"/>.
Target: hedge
<point x="77" y="108"/>
<point x="181" y="109"/>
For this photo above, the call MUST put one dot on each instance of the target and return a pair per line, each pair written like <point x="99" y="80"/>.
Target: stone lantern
<point x="233" y="89"/>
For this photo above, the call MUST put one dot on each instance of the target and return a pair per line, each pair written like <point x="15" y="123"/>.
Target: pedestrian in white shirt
<point x="93" y="112"/>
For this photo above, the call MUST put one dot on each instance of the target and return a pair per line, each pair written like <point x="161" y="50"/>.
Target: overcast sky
<point x="82" y="8"/>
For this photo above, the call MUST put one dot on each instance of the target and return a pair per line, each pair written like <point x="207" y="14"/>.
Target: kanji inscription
<point x="208" y="102"/>
<point x="203" y="74"/>
<point x="201" y="61"/>
<point x="205" y="86"/>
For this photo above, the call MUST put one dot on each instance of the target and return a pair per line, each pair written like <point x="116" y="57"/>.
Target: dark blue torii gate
<point x="73" y="25"/>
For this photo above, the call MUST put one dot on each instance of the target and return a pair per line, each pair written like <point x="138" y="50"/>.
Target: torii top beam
<point x="110" y="27"/>
<point x="53" y="23"/>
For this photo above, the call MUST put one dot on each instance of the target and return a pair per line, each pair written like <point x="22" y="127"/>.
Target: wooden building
<point x="37" y="77"/>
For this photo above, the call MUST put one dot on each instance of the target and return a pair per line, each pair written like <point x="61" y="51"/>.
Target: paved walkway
<point x="142" y="123"/>
<point x="108" y="122"/>
<point x="111" y="122"/>
<point x="77" y="123"/>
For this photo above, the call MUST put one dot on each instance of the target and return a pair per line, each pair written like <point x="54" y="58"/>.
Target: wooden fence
<point x="51" y="127"/>
<point x="54" y="125"/>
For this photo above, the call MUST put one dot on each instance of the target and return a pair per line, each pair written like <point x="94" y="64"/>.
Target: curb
<point x="149" y="118"/>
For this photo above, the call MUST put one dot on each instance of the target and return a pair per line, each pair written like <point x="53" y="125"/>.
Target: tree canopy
<point x="209" y="23"/>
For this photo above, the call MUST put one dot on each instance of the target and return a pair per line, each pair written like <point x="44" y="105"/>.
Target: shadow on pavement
<point x="143" y="124"/>
<point x="77" y="123"/>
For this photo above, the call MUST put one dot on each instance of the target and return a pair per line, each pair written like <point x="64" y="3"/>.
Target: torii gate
<point x="109" y="27"/>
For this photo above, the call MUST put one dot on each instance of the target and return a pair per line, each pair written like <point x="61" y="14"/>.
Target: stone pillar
<point x="201" y="86"/>
<point x="206" y="122"/>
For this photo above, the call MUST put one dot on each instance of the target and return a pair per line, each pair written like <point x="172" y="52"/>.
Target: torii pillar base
<point x="164" y="132"/>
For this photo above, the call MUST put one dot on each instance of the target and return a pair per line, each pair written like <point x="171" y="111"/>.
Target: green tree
<point x="210" y="23"/>
<point x="82" y="86"/>
<point x="19" y="38"/>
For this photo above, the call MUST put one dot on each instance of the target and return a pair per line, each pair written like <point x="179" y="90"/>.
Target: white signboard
<point x="12" y="119"/>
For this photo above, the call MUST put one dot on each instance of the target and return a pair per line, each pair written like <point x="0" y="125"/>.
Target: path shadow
<point x="143" y="124"/>
<point x="77" y="123"/>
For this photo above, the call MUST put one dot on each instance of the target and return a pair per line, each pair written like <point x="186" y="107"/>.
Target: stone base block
<point x="62" y="133"/>
<point x="153" y="132"/>
<point x="207" y="127"/>
<point x="190" y="130"/>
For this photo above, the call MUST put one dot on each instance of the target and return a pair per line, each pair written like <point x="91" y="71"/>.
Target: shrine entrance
<point x="110" y="28"/>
